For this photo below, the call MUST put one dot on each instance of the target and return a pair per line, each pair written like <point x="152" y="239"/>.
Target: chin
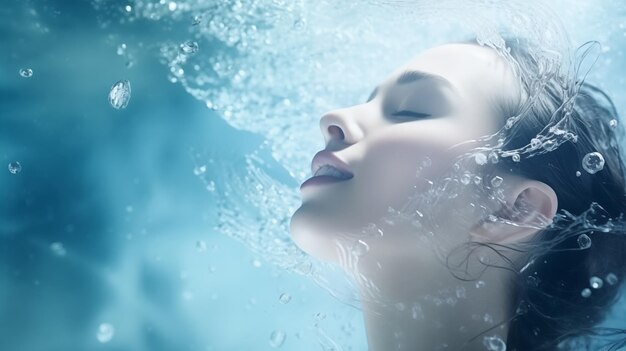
<point x="311" y="235"/>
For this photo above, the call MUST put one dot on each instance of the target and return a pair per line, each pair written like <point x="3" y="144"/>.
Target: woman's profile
<point x="476" y="198"/>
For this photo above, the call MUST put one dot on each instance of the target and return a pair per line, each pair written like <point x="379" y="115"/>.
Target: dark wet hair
<point x="550" y="313"/>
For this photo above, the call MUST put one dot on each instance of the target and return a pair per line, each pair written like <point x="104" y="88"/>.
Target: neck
<point x="408" y="305"/>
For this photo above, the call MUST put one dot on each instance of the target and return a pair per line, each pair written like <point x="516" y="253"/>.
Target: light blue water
<point x="144" y="228"/>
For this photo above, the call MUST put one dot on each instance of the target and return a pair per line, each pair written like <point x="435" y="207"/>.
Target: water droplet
<point x="58" y="249"/>
<point x="105" y="332"/>
<point x="593" y="162"/>
<point x="210" y="186"/>
<point x="611" y="278"/>
<point x="585" y="293"/>
<point x="201" y="246"/>
<point x="595" y="282"/>
<point x="494" y="343"/>
<point x="360" y="248"/>
<point x="515" y="157"/>
<point x="284" y="298"/>
<point x="613" y="123"/>
<point x="128" y="8"/>
<point x="277" y="338"/>
<point x="172" y="6"/>
<point x="26" y="72"/>
<point x="119" y="96"/>
<point x="189" y="47"/>
<point x="496" y="181"/>
<point x="198" y="170"/>
<point x="480" y="284"/>
<point x="465" y="178"/>
<point x="578" y="173"/>
<point x="480" y="158"/>
<point x="15" y="167"/>
<point x="584" y="241"/>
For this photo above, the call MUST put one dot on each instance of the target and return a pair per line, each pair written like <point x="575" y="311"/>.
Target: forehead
<point x="480" y="77"/>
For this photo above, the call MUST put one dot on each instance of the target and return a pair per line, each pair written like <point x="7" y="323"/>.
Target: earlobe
<point x="529" y="207"/>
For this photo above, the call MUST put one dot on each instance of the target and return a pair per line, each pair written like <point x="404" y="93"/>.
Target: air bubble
<point x="611" y="279"/>
<point x="26" y="72"/>
<point x="465" y="178"/>
<point x="277" y="338"/>
<point x="585" y="293"/>
<point x="360" y="248"/>
<point x="121" y="49"/>
<point x="584" y="241"/>
<point x="515" y="157"/>
<point x="522" y="308"/>
<point x="15" y="167"/>
<point x="58" y="249"/>
<point x="578" y="173"/>
<point x="105" y="333"/>
<point x="480" y="158"/>
<point x="199" y="170"/>
<point x="550" y="145"/>
<point x="480" y="284"/>
<point x="493" y="157"/>
<point x="593" y="162"/>
<point x="189" y="47"/>
<point x="494" y="343"/>
<point x="416" y="312"/>
<point x="496" y="181"/>
<point x="532" y="281"/>
<point x="595" y="282"/>
<point x="284" y="298"/>
<point x="119" y="96"/>
<point x="196" y="20"/>
<point x="201" y="246"/>
<point x="535" y="143"/>
<point x="613" y="123"/>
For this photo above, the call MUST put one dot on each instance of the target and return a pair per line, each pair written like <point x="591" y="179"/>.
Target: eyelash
<point x="410" y="114"/>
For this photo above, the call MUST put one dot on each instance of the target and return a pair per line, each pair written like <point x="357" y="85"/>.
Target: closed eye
<point x="406" y="113"/>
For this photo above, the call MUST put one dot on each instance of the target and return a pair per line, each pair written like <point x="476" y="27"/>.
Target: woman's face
<point x="444" y="96"/>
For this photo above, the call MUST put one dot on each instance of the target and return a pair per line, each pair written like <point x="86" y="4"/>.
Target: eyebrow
<point x="415" y="76"/>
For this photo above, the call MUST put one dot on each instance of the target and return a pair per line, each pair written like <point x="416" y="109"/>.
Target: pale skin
<point x="382" y="141"/>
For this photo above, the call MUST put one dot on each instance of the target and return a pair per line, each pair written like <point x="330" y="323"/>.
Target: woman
<point x="500" y="185"/>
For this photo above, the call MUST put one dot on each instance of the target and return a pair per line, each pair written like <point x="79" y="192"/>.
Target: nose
<point x="339" y="126"/>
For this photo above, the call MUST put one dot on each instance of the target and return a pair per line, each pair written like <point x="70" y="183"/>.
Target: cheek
<point x="388" y="173"/>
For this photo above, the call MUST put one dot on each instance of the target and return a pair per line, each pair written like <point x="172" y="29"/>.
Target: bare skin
<point x="411" y="117"/>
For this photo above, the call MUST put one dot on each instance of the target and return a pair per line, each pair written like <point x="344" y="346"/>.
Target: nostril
<point x="336" y="132"/>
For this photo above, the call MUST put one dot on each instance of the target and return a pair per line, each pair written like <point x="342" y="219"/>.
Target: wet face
<point x="420" y="114"/>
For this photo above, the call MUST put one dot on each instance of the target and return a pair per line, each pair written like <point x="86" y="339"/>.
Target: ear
<point x="529" y="206"/>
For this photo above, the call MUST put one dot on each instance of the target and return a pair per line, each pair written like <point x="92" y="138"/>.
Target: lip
<point x="327" y="158"/>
